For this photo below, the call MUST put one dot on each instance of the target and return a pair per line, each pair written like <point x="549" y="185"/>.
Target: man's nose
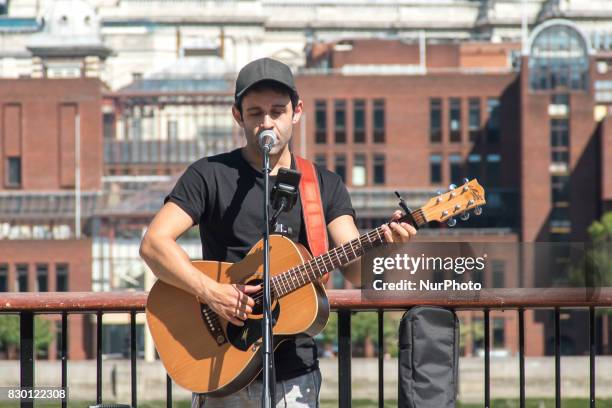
<point x="268" y="123"/>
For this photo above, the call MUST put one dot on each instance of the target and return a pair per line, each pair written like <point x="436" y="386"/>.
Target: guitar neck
<point x="315" y="268"/>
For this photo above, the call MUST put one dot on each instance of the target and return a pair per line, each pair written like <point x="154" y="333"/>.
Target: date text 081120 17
<point x="34" y="394"/>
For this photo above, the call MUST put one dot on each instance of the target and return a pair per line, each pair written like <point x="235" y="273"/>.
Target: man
<point x="223" y="194"/>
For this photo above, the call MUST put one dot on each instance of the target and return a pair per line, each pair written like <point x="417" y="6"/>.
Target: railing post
<point x="381" y="361"/>
<point x="64" y="355"/>
<point x="133" y="356"/>
<point x="557" y="359"/>
<point x="487" y="359"/>
<point x="592" y="353"/>
<point x="99" y="357"/>
<point x="521" y="357"/>
<point x="344" y="358"/>
<point x="26" y="353"/>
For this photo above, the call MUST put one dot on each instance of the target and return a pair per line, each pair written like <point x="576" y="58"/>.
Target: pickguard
<point x="244" y="337"/>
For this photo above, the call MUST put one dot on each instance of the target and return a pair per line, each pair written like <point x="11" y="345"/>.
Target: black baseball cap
<point x="263" y="69"/>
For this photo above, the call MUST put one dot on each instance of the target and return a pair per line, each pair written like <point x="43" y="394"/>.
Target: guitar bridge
<point x="211" y="321"/>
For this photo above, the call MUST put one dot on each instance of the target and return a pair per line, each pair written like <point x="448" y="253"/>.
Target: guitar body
<point x="221" y="362"/>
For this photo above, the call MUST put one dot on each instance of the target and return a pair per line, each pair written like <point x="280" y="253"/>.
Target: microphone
<point x="267" y="140"/>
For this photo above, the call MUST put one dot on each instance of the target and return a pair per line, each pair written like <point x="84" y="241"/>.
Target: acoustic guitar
<point x="206" y="354"/>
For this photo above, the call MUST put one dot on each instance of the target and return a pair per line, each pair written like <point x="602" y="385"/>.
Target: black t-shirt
<point x="223" y="194"/>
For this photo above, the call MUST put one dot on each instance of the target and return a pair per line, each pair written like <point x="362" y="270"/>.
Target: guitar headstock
<point x="458" y="201"/>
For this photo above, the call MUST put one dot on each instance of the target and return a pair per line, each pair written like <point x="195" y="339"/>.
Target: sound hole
<point x="258" y="298"/>
<point x="243" y="337"/>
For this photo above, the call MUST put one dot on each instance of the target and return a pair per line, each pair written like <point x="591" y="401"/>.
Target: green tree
<point x="10" y="329"/>
<point x="595" y="268"/>
<point x="364" y="332"/>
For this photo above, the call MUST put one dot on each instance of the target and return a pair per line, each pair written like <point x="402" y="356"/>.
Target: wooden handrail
<point x="339" y="299"/>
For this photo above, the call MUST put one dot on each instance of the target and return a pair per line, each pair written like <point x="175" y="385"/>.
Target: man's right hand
<point x="231" y="302"/>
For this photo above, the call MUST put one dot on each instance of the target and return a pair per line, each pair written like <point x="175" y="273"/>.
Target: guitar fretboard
<point x="315" y="268"/>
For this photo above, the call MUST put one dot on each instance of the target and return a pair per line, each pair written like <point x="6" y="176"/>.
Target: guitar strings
<point x="259" y="295"/>
<point x="417" y="215"/>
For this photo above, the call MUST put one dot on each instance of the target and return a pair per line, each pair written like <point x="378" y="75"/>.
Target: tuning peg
<point x="477" y="210"/>
<point x="438" y="199"/>
<point x="451" y="222"/>
<point x="452" y="186"/>
<point x="465" y="216"/>
<point x="466" y="180"/>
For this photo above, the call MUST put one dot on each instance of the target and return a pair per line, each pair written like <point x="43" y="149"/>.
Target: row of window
<point x="470" y="168"/>
<point x="455" y="128"/>
<point x="559" y="180"/>
<point x="377" y="121"/>
<point x="41" y="281"/>
<point x="359" y="175"/>
<point x="359" y="117"/>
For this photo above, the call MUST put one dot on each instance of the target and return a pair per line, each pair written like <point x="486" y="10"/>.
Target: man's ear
<point x="237" y="116"/>
<point x="297" y="112"/>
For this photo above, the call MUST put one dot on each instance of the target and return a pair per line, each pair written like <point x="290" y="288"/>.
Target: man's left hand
<point x="398" y="231"/>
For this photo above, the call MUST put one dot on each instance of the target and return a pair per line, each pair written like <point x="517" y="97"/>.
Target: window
<point x="379" y="169"/>
<point x="559" y="133"/>
<point x="3" y="278"/>
<point x="172" y="130"/>
<point x="559" y="99"/>
<point x="498" y="332"/>
<point x="559" y="59"/>
<point x="22" y="278"/>
<point x="559" y="217"/>
<point x="359" y="170"/>
<point x="321" y="160"/>
<point x="42" y="278"/>
<point x="560" y="189"/>
<point x="13" y="171"/>
<point x="454" y="161"/>
<point x="493" y="121"/>
<point x="559" y="161"/>
<point x="359" y="125"/>
<point x="493" y="169"/>
<point x="497" y="268"/>
<point x="435" y="120"/>
<point x="109" y="126"/>
<point x="474" y="119"/>
<point x="135" y="128"/>
<point x="454" y="123"/>
<point x="340" y="167"/>
<point x="474" y="163"/>
<point x="379" y="121"/>
<point x="61" y="277"/>
<point x="321" y="122"/>
<point x="435" y="169"/>
<point x="340" y="121"/>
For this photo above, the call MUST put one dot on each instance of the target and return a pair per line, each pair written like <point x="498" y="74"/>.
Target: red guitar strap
<point x="312" y="208"/>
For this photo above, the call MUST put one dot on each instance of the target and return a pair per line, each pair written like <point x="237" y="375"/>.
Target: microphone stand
<point x="268" y="351"/>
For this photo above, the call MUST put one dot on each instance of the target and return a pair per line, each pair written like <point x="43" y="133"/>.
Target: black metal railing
<point x="345" y="302"/>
